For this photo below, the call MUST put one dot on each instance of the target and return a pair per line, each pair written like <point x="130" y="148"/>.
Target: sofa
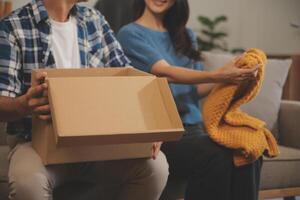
<point x="280" y="176"/>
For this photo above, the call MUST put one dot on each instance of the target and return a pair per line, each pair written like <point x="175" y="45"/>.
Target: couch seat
<point x="272" y="173"/>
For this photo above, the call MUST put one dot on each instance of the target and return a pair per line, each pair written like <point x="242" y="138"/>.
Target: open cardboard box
<point x="104" y="114"/>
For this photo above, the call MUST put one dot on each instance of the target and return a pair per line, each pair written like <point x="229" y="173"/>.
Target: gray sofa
<point x="280" y="176"/>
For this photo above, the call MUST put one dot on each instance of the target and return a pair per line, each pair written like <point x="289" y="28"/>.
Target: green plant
<point x="213" y="39"/>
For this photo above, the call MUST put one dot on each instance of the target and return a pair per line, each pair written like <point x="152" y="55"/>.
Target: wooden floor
<point x="278" y="193"/>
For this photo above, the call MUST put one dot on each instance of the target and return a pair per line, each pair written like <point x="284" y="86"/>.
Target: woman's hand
<point x="230" y="73"/>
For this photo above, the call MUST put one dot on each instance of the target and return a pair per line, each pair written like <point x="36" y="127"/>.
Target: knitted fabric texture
<point x="228" y="126"/>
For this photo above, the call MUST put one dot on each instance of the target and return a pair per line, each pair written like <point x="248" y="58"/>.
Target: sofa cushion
<point x="283" y="171"/>
<point x="267" y="103"/>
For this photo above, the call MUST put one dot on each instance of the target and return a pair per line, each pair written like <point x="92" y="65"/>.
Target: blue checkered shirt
<point x="25" y="45"/>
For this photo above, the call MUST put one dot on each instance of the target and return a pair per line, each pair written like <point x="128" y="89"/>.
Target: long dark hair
<point x="175" y="21"/>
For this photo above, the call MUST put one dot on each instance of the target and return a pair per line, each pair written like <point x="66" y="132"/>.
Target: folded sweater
<point x="228" y="126"/>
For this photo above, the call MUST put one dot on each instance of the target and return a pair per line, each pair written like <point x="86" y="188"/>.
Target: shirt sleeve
<point x="10" y="64"/>
<point x="198" y="66"/>
<point x="113" y="54"/>
<point x="136" y="46"/>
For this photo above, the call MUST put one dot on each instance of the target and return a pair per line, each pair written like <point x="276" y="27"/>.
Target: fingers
<point x="37" y="97"/>
<point x="252" y="70"/>
<point x="156" y="149"/>
<point x="233" y="74"/>
<point x="249" y="73"/>
<point x="40" y="77"/>
<point x="242" y="79"/>
<point x="45" y="93"/>
<point x="153" y="151"/>
<point x="42" y="110"/>
<point x="40" y="85"/>
<point x="44" y="117"/>
<point x="245" y="77"/>
<point x="36" y="90"/>
<point x="236" y="59"/>
<point x="35" y="102"/>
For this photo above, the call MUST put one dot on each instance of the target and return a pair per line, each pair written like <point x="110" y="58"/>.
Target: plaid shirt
<point x="25" y="45"/>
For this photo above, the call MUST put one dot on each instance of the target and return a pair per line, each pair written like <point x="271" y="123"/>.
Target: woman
<point x="159" y="42"/>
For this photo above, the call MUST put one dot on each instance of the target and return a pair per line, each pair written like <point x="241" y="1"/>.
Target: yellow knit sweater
<point x="227" y="125"/>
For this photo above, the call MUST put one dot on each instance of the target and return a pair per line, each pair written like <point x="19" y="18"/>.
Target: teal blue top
<point x="144" y="47"/>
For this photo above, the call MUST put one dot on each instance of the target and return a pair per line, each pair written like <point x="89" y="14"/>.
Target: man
<point x="56" y="34"/>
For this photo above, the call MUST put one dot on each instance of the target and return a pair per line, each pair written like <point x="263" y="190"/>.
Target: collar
<point x="41" y="14"/>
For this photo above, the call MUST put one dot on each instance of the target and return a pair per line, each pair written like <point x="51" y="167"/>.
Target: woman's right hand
<point x="230" y="73"/>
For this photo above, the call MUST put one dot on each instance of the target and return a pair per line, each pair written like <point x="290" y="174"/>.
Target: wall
<point x="252" y="23"/>
<point x="255" y="23"/>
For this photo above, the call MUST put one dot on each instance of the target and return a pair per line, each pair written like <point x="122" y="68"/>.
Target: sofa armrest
<point x="289" y="123"/>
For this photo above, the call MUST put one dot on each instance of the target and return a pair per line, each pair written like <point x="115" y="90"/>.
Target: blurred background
<point x="268" y="24"/>
<point x="272" y="25"/>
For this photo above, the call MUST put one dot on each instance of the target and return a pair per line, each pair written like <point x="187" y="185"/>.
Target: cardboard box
<point x="104" y="114"/>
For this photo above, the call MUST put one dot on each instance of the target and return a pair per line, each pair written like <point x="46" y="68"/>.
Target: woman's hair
<point x="175" y="21"/>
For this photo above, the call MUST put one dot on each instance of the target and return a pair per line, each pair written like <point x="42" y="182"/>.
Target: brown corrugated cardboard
<point x="105" y="114"/>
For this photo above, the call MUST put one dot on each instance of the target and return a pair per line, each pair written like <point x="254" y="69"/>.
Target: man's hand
<point x="35" y="101"/>
<point x="156" y="149"/>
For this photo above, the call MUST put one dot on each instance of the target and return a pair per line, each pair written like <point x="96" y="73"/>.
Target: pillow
<point x="266" y="105"/>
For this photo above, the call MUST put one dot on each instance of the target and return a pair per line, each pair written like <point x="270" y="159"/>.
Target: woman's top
<point x="145" y="47"/>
